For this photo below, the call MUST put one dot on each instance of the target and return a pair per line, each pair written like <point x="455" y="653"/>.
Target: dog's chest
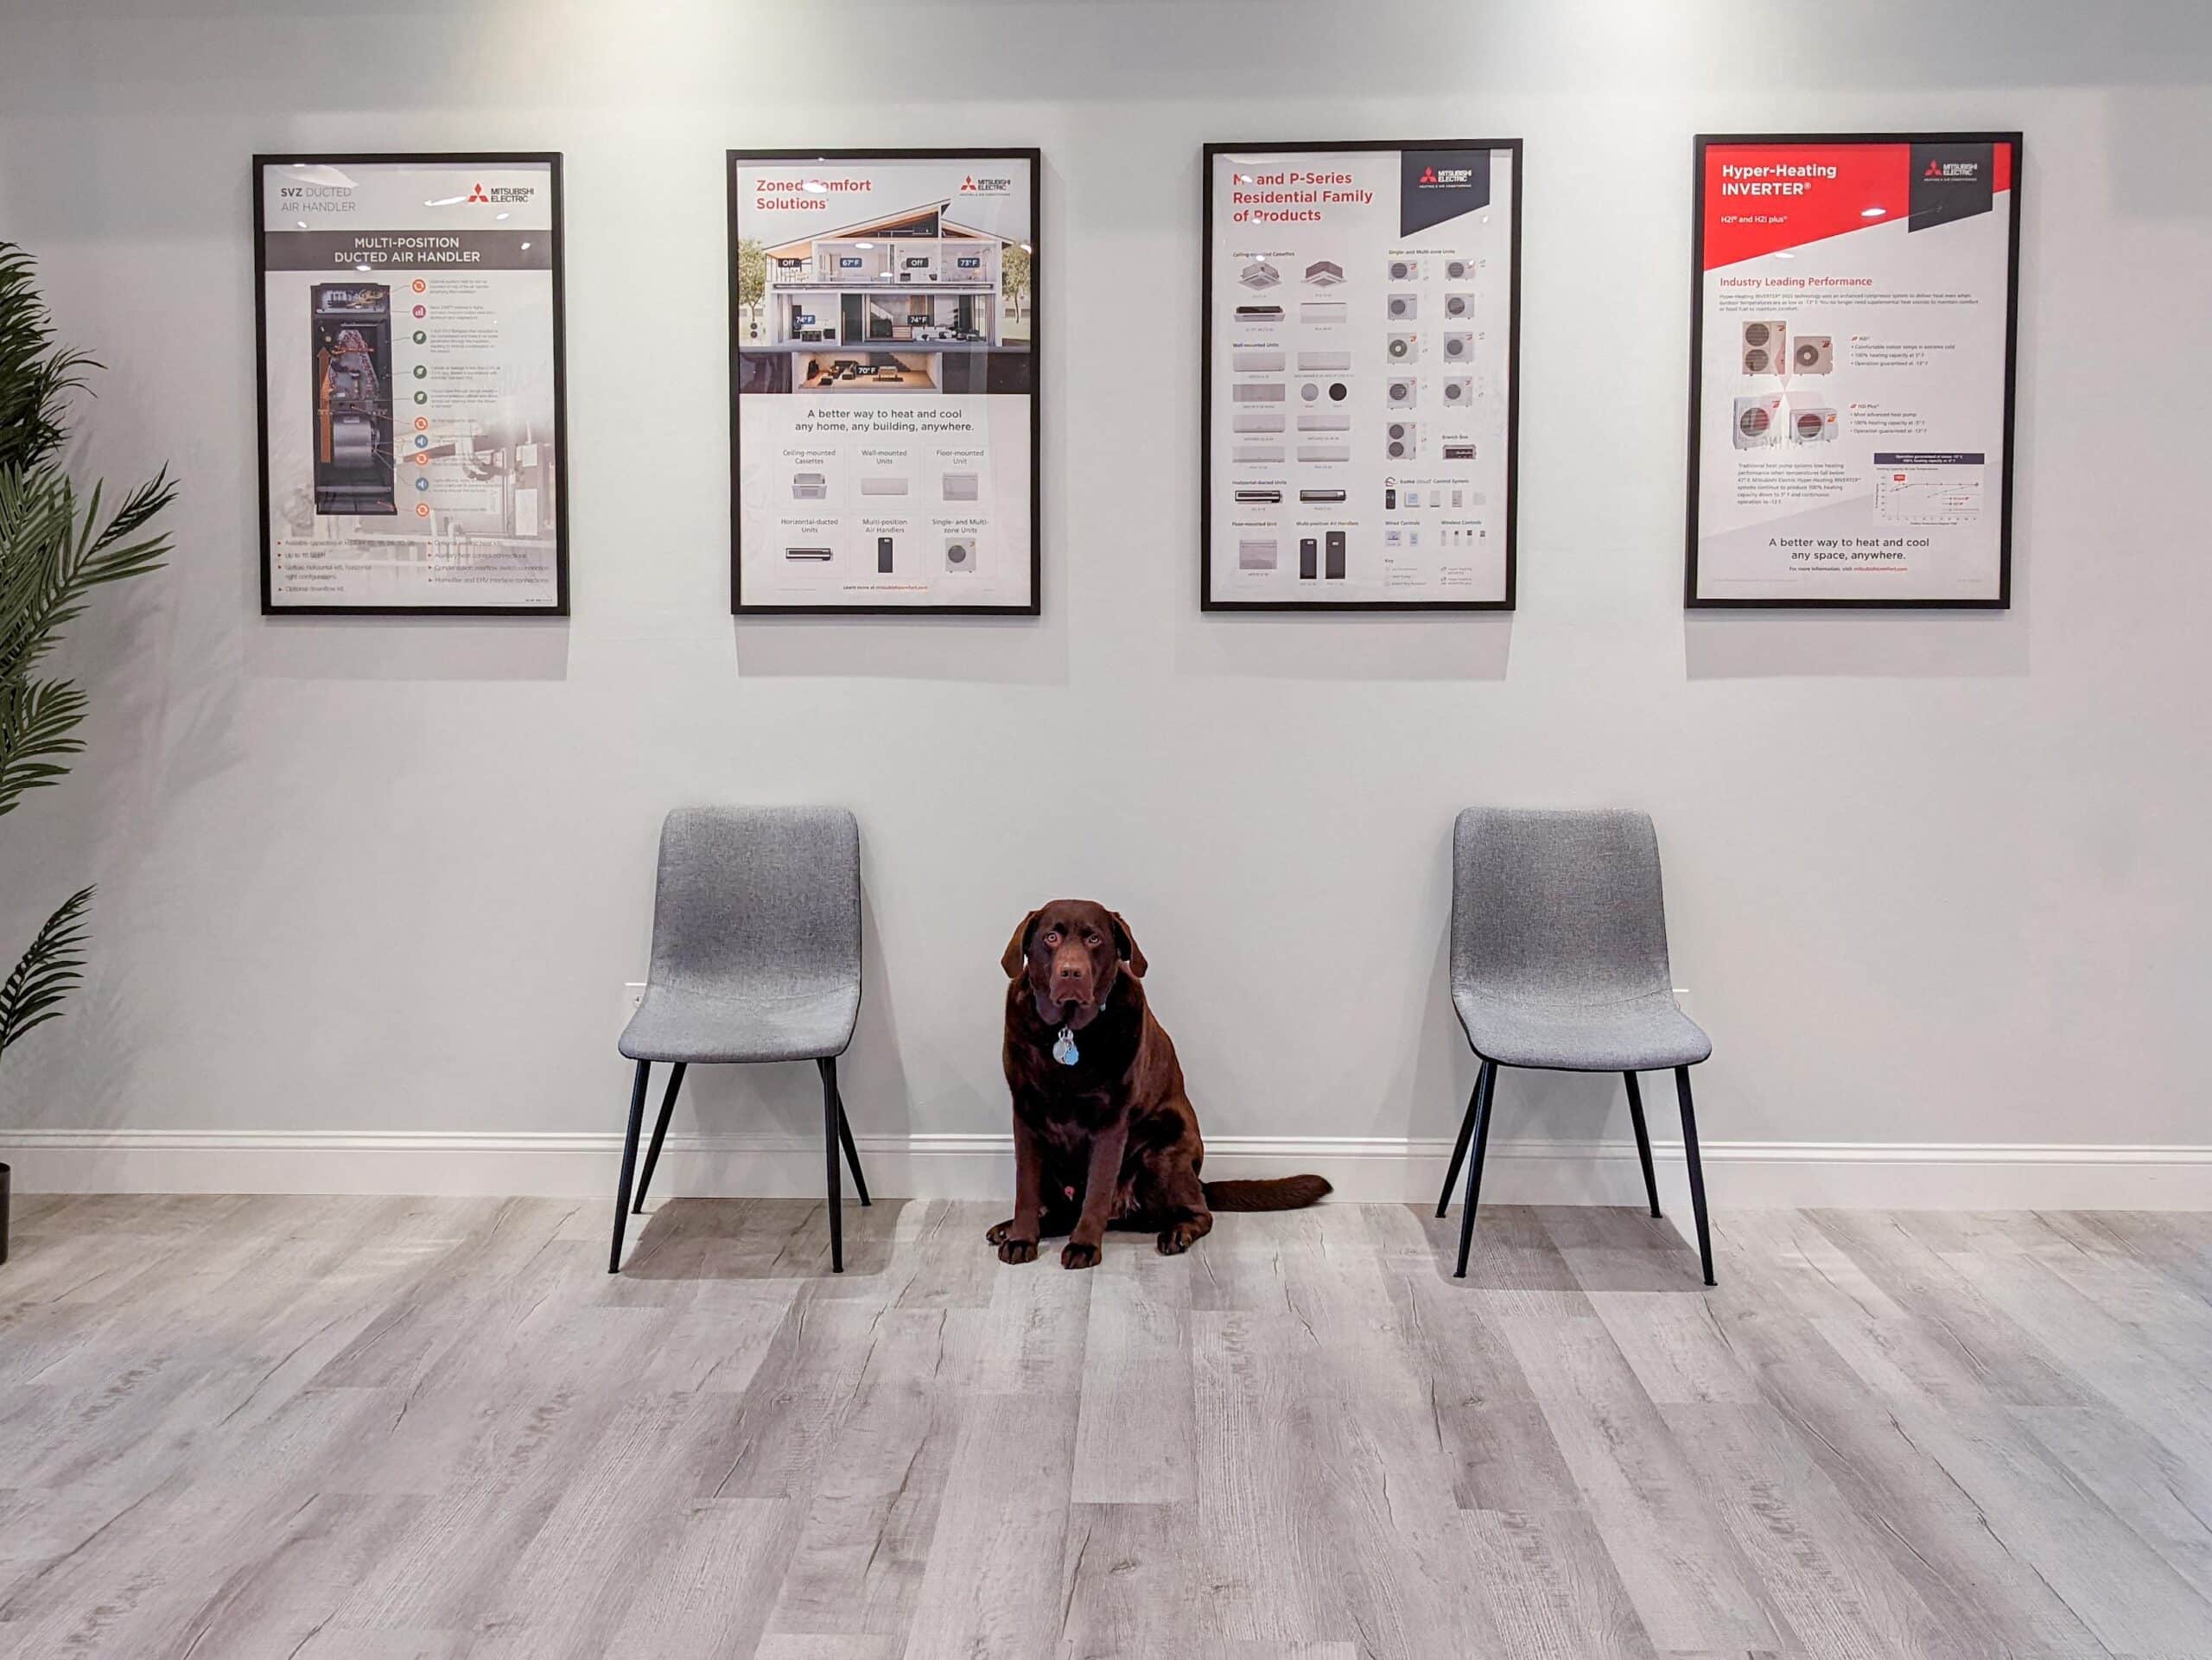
<point x="1066" y="1119"/>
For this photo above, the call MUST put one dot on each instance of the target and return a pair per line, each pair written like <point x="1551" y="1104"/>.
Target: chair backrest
<point x="1557" y="905"/>
<point x="748" y="892"/>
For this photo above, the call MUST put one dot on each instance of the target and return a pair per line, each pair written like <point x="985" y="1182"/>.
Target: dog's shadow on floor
<point x="760" y="1239"/>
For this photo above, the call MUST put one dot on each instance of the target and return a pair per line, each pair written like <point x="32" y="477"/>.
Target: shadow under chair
<point x="756" y="958"/>
<point x="1559" y="962"/>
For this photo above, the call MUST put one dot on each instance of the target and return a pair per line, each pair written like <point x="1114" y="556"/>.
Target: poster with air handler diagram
<point x="884" y="381"/>
<point x="413" y="428"/>
<point x="1853" y="340"/>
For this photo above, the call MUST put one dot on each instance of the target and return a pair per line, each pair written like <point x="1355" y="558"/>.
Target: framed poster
<point x="411" y="380"/>
<point x="883" y="324"/>
<point x="1362" y="374"/>
<point x="1853" y="316"/>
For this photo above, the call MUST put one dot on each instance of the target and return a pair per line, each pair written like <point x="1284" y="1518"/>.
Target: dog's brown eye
<point x="1090" y="939"/>
<point x="1053" y="937"/>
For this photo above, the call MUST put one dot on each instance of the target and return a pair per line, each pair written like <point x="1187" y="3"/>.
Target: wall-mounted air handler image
<point x="350" y="325"/>
<point x="1757" y="422"/>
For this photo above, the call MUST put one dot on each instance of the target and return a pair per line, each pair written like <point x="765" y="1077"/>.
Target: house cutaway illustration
<point x="893" y="303"/>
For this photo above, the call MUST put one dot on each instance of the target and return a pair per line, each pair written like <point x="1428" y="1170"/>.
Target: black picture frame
<point x="1207" y="602"/>
<point x="552" y="160"/>
<point x="2002" y="598"/>
<point x="1032" y="156"/>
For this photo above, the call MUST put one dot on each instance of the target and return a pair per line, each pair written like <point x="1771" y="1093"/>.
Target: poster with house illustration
<point x="883" y="314"/>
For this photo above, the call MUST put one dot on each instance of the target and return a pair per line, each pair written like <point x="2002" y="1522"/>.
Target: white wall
<point x="1932" y="879"/>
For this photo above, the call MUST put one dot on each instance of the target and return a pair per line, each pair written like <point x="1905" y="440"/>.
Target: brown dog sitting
<point x="1103" y="1134"/>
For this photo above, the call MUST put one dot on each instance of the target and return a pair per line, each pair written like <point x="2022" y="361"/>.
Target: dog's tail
<point x="1282" y="1194"/>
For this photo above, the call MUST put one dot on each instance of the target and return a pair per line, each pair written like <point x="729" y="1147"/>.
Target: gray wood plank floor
<point x="374" y="1428"/>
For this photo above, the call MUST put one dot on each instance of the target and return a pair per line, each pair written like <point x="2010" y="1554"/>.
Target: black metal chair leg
<point x="1458" y="1150"/>
<point x="629" y="1163"/>
<point x="660" y="1133"/>
<point x="1697" y="1171"/>
<point x="830" y="1115"/>
<point x="1642" y="1140"/>
<point x="1485" y="1088"/>
<point x="845" y="1136"/>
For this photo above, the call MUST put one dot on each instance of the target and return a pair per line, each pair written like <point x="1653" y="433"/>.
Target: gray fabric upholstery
<point x="756" y="937"/>
<point x="1559" y="942"/>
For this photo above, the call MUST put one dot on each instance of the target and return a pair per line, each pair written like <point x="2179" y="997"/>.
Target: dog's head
<point x="1068" y="954"/>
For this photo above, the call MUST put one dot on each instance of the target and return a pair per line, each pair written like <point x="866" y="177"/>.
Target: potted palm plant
<point x="58" y="542"/>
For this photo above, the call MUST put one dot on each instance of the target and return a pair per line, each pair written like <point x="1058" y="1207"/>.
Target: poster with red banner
<point x="1853" y="324"/>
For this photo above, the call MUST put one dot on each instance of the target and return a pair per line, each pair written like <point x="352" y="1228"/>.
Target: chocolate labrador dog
<point x="1103" y="1134"/>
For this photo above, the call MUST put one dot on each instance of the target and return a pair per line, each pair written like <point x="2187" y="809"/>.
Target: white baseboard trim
<point x="1738" y="1174"/>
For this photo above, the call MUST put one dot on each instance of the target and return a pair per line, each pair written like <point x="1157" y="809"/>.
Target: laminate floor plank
<point x="1135" y="1440"/>
<point x="351" y="1429"/>
<point x="1689" y="1581"/>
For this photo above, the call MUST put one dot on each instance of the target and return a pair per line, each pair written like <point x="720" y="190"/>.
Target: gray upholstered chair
<point x="1559" y="961"/>
<point x="756" y="957"/>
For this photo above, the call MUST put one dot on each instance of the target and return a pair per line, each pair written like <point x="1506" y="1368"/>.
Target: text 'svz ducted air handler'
<point x="353" y="464"/>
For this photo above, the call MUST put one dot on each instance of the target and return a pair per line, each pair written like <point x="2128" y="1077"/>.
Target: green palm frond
<point x="37" y="718"/>
<point x="50" y="971"/>
<point x="56" y="546"/>
<point x="53" y="554"/>
<point x="35" y="375"/>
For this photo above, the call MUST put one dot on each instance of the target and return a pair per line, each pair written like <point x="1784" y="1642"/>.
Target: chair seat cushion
<point x="1641" y="1035"/>
<point x="686" y="1023"/>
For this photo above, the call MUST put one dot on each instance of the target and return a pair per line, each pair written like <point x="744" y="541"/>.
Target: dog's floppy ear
<point x="1017" y="949"/>
<point x="1126" y="946"/>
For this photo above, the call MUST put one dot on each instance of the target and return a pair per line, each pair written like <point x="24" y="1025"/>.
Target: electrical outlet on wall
<point x="633" y="992"/>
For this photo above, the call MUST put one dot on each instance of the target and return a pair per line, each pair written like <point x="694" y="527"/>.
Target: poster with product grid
<point x="411" y="384"/>
<point x="884" y="381"/>
<point x="1853" y="325"/>
<point x="1362" y="376"/>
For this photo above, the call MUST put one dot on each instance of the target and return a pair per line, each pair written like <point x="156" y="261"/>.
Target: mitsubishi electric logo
<point x="1950" y="183"/>
<point x="972" y="186"/>
<point x="476" y="193"/>
<point x="1437" y="186"/>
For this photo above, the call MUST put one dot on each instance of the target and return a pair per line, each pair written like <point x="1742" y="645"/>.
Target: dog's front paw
<point x="998" y="1232"/>
<point x="1017" y="1250"/>
<point x="1078" y="1255"/>
<point x="1174" y="1241"/>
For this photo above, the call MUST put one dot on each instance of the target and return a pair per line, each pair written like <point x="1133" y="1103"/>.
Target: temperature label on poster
<point x="884" y="332"/>
<point x="1362" y="375"/>
<point x="412" y="422"/>
<point x="1852" y="369"/>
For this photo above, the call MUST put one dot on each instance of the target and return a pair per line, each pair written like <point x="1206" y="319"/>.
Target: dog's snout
<point x="1072" y="973"/>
